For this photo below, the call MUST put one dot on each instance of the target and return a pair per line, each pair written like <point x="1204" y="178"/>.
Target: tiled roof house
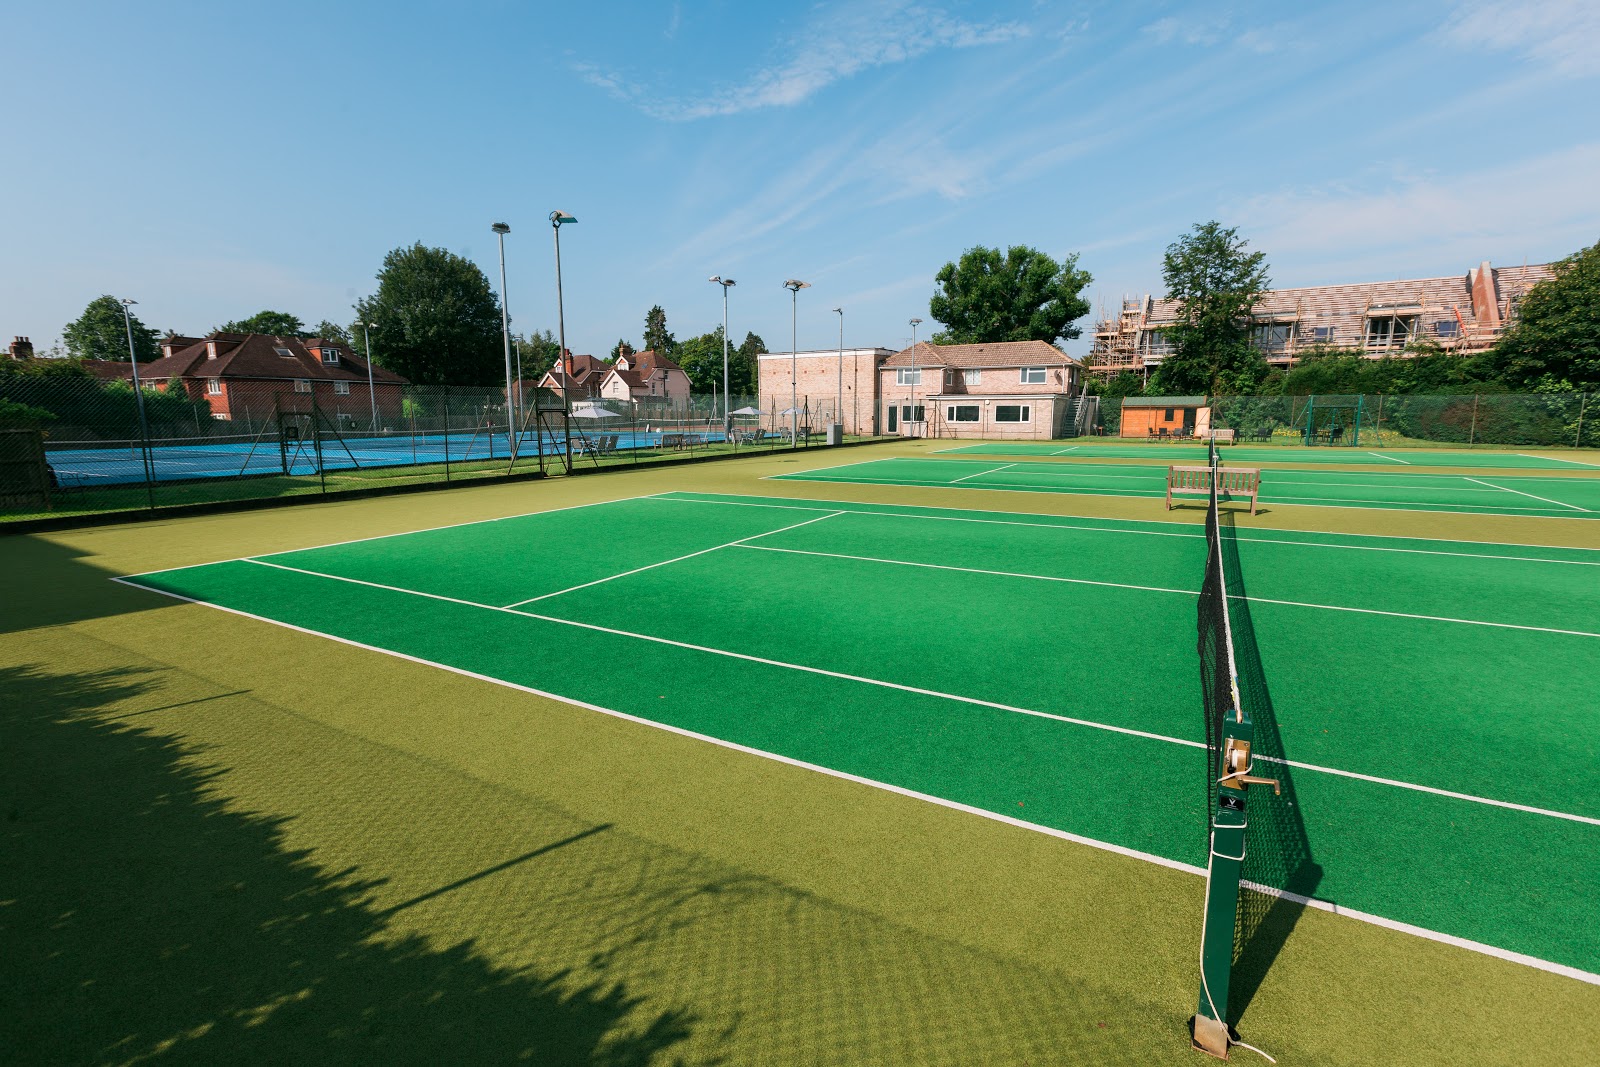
<point x="643" y="375"/>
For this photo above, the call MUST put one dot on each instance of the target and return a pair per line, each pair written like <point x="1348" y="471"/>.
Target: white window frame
<point x="908" y="376"/>
<point x="1321" y="335"/>
<point x="213" y="386"/>
<point x="913" y="413"/>
<point x="1032" y="375"/>
<point x="341" y="388"/>
<point x="1024" y="413"/>
<point x="302" y="385"/>
<point x="972" y="377"/>
<point x="284" y="352"/>
<point x="330" y="355"/>
<point x="952" y="413"/>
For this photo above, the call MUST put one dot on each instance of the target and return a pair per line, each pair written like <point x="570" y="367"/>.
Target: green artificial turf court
<point x="1563" y="497"/>
<point x="1255" y="455"/>
<point x="1041" y="670"/>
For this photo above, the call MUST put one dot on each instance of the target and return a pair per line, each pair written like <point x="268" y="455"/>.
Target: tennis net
<point x="1219" y="676"/>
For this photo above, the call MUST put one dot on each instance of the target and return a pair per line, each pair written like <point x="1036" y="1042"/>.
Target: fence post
<point x="444" y="392"/>
<point x="316" y="439"/>
<point x="1577" y="438"/>
<point x="1472" y="434"/>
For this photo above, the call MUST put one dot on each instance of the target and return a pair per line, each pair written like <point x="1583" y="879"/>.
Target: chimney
<point x="1485" y="308"/>
<point x="21" y="348"/>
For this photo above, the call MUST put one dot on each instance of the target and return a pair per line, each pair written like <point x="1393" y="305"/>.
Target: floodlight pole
<point x="838" y="404"/>
<point x="727" y="416"/>
<point x="500" y="230"/>
<point x="372" y="390"/>
<point x="914" y="324"/>
<point x="556" y="219"/>
<point x="794" y="285"/>
<point x="138" y="402"/>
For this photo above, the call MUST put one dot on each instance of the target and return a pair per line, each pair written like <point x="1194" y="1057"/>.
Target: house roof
<point x="647" y="362"/>
<point x="997" y="354"/>
<point x="259" y="356"/>
<point x="109" y="370"/>
<point x="580" y="368"/>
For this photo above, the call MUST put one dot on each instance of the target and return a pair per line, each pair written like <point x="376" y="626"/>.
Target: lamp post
<point x="727" y="417"/>
<point x="521" y="403"/>
<point x="138" y="398"/>
<point x="794" y="285"/>
<point x="914" y="378"/>
<point x="500" y="230"/>
<point x="372" y="390"/>
<point x="557" y="218"/>
<point x="838" y="404"/>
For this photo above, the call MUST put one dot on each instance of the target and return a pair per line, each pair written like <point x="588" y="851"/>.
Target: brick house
<point x="575" y="377"/>
<point x="815" y="386"/>
<point x="1008" y="389"/>
<point x="1462" y="313"/>
<point x="641" y="376"/>
<point x="249" y="376"/>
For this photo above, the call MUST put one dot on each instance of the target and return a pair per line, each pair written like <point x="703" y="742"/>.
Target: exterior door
<point x="894" y="418"/>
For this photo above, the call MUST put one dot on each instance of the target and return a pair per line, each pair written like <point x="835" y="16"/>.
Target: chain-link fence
<point x="1483" y="420"/>
<point x="73" y="444"/>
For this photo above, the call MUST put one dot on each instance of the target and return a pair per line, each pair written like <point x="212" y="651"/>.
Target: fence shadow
<point x="148" y="917"/>
<point x="1277" y="849"/>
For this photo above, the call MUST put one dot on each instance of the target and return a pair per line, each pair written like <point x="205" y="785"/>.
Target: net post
<point x="1209" y="1028"/>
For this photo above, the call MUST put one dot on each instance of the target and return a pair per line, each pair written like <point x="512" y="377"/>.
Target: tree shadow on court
<point x="143" y="916"/>
<point x="50" y="584"/>
<point x="1277" y="849"/>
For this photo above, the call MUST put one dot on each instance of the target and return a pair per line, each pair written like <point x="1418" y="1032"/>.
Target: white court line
<point x="975" y="570"/>
<point x="1159" y="533"/>
<point x="976" y="474"/>
<point x="919" y="690"/>
<point x="1185" y="592"/>
<point x="1148" y="857"/>
<point x="1530" y="496"/>
<point x="1396" y="459"/>
<point x="676" y="559"/>
<point x="1064" y="451"/>
<point x="1562" y="459"/>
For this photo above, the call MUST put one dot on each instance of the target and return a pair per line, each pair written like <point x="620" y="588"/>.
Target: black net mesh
<point x="1216" y="660"/>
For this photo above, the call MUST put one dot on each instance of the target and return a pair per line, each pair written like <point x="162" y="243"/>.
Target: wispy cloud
<point x="1526" y="208"/>
<point x="1208" y="32"/>
<point x="837" y="42"/>
<point x="1563" y="34"/>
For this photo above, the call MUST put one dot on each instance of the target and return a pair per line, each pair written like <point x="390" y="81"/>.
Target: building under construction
<point x="1463" y="313"/>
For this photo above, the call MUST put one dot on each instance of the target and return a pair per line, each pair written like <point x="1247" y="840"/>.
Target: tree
<point x="620" y="349"/>
<point x="742" y="364"/>
<point x="1216" y="281"/>
<point x="539" y="352"/>
<point x="100" y="333"/>
<point x="656" y="335"/>
<point x="269" y="323"/>
<point x="332" y="331"/>
<point x="1023" y="295"/>
<point x="1555" y="338"/>
<point x="701" y="359"/>
<point x="438" y="322"/>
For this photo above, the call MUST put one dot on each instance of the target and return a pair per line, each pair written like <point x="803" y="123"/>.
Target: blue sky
<point x="212" y="159"/>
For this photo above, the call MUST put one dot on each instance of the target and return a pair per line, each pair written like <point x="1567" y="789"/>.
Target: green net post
<point x="1228" y="823"/>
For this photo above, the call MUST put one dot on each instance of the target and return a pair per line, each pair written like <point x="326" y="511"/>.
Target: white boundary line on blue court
<point x="1148" y="857"/>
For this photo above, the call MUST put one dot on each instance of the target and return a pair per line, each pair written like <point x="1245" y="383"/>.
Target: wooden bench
<point x="1221" y="436"/>
<point x="1231" y="481"/>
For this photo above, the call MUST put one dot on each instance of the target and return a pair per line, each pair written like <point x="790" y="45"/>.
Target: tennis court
<point x="1565" y="497"/>
<point x="1249" y="456"/>
<point x="1444" y="785"/>
<point x="123" y="463"/>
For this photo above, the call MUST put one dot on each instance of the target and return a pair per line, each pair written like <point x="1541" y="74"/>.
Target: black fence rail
<point x="72" y="445"/>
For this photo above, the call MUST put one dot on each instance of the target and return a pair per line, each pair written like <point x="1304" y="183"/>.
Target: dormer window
<point x="284" y="352"/>
<point x="211" y="350"/>
<point x="330" y="355"/>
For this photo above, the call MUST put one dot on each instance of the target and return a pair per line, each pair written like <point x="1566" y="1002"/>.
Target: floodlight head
<point x="126" y="302"/>
<point x="916" y="322"/>
<point x="557" y="218"/>
<point x="715" y="278"/>
<point x="500" y="228"/>
<point x="794" y="285"/>
<point x="839" y="310"/>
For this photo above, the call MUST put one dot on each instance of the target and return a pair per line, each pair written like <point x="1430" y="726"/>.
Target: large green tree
<point x="332" y="331"/>
<point x="742" y="365"/>
<point x="100" y="333"/>
<point x="539" y="351"/>
<point x="269" y="323"/>
<point x="620" y="349"/>
<point x="1021" y="295"/>
<point x="701" y="359"/>
<point x="1555" y="340"/>
<point x="656" y="334"/>
<point x="437" y="320"/>
<point x="1216" y="280"/>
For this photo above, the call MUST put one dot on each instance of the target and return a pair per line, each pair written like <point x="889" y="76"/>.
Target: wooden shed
<point x="1165" y="416"/>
